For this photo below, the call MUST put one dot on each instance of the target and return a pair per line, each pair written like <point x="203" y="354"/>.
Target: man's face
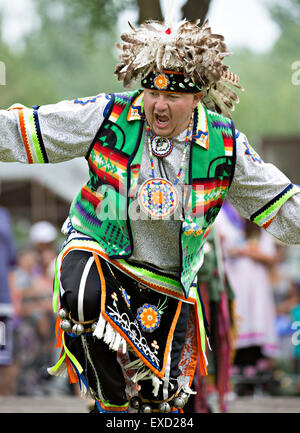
<point x="168" y="113"/>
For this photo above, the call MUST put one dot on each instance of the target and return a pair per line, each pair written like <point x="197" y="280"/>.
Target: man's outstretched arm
<point x="262" y="193"/>
<point x="50" y="133"/>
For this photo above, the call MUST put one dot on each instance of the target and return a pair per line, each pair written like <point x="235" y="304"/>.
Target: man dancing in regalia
<point x="161" y="160"/>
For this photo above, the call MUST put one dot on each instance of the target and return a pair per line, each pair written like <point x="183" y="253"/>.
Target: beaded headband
<point x="169" y="81"/>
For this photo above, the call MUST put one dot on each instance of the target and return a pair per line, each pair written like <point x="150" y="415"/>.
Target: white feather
<point x="169" y="15"/>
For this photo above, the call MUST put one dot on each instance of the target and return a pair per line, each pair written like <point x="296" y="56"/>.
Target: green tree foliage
<point x="59" y="62"/>
<point x="101" y="14"/>
<point x="270" y="105"/>
<point x="88" y="17"/>
<point x="72" y="54"/>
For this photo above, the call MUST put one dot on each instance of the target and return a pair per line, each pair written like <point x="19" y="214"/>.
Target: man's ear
<point x="197" y="98"/>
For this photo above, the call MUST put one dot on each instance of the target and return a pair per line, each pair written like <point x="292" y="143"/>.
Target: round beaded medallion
<point x="148" y="317"/>
<point x="158" y="198"/>
<point x="161" y="146"/>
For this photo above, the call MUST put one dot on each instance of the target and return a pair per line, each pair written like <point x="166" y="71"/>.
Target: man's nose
<point x="161" y="103"/>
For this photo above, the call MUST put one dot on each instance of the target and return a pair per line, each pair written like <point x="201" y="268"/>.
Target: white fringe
<point x="208" y="343"/>
<point x="60" y="372"/>
<point x="138" y="363"/>
<point x="156" y="382"/>
<point x="109" y="335"/>
<point x="117" y="342"/>
<point x="85" y="392"/>
<point x="188" y="390"/>
<point x="98" y="333"/>
<point x="123" y="345"/>
<point x="143" y="373"/>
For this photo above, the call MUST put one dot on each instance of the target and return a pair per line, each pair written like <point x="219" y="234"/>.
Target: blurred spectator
<point x="249" y="254"/>
<point x="7" y="263"/>
<point x="34" y="286"/>
<point x="42" y="236"/>
<point x="35" y="339"/>
<point x="27" y="265"/>
<point x="295" y="314"/>
<point x="286" y="298"/>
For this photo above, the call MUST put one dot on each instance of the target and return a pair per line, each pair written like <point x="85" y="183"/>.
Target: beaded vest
<point x="102" y="207"/>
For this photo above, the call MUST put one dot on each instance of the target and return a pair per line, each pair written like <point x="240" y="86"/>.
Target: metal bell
<point x="179" y="402"/>
<point x="184" y="396"/>
<point x="94" y="326"/>
<point x="146" y="408"/>
<point x="78" y="329"/>
<point x="135" y="402"/>
<point x="164" y="407"/>
<point x="66" y="325"/>
<point x="62" y="314"/>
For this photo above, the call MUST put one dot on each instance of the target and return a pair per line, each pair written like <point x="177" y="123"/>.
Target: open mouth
<point x="161" y="120"/>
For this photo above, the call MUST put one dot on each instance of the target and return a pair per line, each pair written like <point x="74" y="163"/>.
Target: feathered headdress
<point x="184" y="46"/>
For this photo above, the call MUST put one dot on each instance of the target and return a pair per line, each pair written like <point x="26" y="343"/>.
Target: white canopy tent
<point x="64" y="179"/>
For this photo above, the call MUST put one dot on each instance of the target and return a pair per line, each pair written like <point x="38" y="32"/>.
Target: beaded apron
<point x="144" y="318"/>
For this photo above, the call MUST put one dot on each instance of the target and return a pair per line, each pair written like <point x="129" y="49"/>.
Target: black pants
<point x="82" y="297"/>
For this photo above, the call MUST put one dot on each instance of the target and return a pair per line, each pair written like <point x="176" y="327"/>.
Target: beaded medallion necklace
<point x="157" y="196"/>
<point x="161" y="146"/>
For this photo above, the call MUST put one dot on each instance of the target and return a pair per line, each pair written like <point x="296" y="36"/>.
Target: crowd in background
<point x="30" y="341"/>
<point x="260" y="270"/>
<point x="264" y="276"/>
